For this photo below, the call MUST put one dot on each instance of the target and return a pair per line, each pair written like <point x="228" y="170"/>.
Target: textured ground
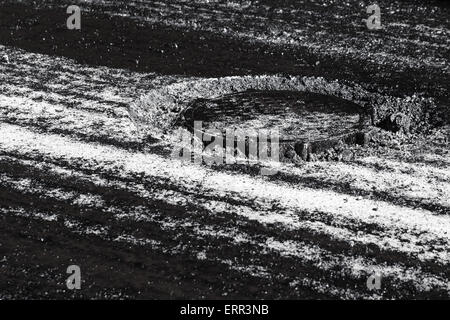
<point x="78" y="185"/>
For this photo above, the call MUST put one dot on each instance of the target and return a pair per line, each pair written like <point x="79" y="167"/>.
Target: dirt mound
<point x="157" y="112"/>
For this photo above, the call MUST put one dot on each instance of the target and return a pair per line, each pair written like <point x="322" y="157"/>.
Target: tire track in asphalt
<point x="401" y="188"/>
<point x="59" y="80"/>
<point x="106" y="265"/>
<point x="422" y="238"/>
<point x="278" y="43"/>
<point x="312" y="226"/>
<point x="217" y="253"/>
<point x="220" y="15"/>
<point x="300" y="251"/>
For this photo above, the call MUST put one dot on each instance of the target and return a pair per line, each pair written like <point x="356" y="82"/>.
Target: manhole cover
<point x="307" y="122"/>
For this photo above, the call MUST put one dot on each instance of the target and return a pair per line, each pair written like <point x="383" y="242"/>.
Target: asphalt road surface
<point x="79" y="185"/>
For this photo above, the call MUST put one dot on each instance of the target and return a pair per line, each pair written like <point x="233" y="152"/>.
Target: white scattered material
<point x="413" y="226"/>
<point x="5" y="58"/>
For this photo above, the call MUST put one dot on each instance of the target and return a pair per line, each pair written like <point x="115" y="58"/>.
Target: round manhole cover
<point x="307" y="122"/>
